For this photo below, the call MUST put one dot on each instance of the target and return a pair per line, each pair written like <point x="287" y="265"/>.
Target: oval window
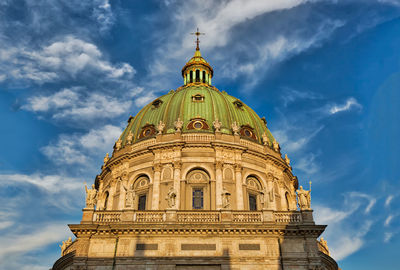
<point x="198" y="125"/>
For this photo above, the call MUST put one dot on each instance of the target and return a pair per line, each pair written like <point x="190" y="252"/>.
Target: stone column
<point x="177" y="182"/>
<point x="156" y="187"/>
<point x="239" y="187"/>
<point x="218" y="184"/>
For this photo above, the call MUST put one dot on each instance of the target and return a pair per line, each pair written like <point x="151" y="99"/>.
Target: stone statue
<point x="225" y="199"/>
<point x="235" y="128"/>
<point x="171" y="197"/>
<point x="91" y="196"/>
<point x="287" y="160"/>
<point x="323" y="242"/>
<point x="276" y="146"/>
<point x="118" y="144"/>
<point x="65" y="244"/>
<point x="304" y="198"/>
<point x="129" y="138"/>
<point x="160" y="127"/>
<point x="178" y="125"/>
<point x="129" y="195"/>
<point x="106" y="158"/>
<point x="265" y="139"/>
<point x="217" y="125"/>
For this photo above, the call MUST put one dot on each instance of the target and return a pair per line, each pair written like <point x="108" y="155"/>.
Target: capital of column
<point x="177" y="164"/>
<point x="219" y="165"/>
<point x="238" y="168"/>
<point x="157" y="167"/>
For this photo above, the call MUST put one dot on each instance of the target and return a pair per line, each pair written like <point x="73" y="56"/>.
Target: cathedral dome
<point x="198" y="106"/>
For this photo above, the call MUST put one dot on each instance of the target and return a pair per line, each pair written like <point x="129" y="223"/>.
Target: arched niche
<point x="254" y="198"/>
<point x="197" y="190"/>
<point x="105" y="198"/>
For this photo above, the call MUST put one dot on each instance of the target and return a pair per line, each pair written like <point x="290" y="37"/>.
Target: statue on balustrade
<point x="91" y="196"/>
<point x="304" y="198"/>
<point x="129" y="194"/>
<point x="225" y="199"/>
<point x="64" y="245"/>
<point x="171" y="198"/>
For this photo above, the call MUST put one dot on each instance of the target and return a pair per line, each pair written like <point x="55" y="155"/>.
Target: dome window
<point x="198" y="124"/>
<point x="156" y="103"/>
<point x="247" y="132"/>
<point x="198" y="98"/>
<point x="197" y="75"/>
<point x="147" y="131"/>
<point x="238" y="104"/>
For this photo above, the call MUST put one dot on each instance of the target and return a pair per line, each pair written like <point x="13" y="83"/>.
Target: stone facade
<point x="195" y="200"/>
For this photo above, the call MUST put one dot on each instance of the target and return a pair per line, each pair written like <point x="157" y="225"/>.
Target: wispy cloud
<point x="351" y="103"/>
<point x="80" y="148"/>
<point x="388" y="200"/>
<point x="63" y="59"/>
<point x="345" y="235"/>
<point x="19" y="242"/>
<point x="78" y="104"/>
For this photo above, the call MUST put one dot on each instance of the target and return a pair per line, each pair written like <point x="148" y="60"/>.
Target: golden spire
<point x="197" y="33"/>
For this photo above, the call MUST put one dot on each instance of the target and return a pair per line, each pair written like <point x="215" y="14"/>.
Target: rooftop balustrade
<point x="195" y="217"/>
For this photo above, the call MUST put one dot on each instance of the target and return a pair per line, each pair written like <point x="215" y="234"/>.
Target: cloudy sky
<point x="324" y="73"/>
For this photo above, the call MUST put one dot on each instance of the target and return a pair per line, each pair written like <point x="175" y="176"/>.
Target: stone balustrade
<point x="287" y="217"/>
<point x="194" y="217"/>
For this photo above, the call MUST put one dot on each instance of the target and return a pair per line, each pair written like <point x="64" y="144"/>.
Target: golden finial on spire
<point x="197" y="33"/>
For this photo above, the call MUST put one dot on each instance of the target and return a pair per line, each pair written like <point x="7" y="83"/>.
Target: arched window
<point x="254" y="192"/>
<point x="204" y="76"/>
<point x="141" y="188"/>
<point x="197" y="75"/>
<point x="191" y="76"/>
<point x="197" y="192"/>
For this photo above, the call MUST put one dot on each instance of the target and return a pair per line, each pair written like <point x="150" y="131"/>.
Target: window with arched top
<point x="254" y="193"/>
<point x="197" y="190"/>
<point x="141" y="188"/>
<point x="204" y="76"/>
<point x="191" y="76"/>
<point x="197" y="75"/>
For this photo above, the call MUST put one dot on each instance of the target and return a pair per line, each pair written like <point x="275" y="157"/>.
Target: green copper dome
<point x="196" y="103"/>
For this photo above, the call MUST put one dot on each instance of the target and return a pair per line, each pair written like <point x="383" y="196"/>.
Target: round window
<point x="198" y="125"/>
<point x="147" y="132"/>
<point x="247" y="133"/>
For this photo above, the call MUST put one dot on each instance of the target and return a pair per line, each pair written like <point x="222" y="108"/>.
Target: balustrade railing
<point x="107" y="216"/>
<point x="287" y="217"/>
<point x="247" y="217"/>
<point x="198" y="137"/>
<point x="149" y="217"/>
<point x="197" y="217"/>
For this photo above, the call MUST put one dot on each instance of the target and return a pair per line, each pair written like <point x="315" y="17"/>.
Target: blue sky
<point x="325" y="74"/>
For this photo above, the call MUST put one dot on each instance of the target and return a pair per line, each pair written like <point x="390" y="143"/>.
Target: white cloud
<point x="66" y="58"/>
<point x="77" y="103"/>
<point x="20" y="243"/>
<point x="388" y="200"/>
<point x="348" y="105"/>
<point x="388" y="236"/>
<point x="388" y="220"/>
<point x="49" y="183"/>
<point x="79" y="148"/>
<point x="346" y="233"/>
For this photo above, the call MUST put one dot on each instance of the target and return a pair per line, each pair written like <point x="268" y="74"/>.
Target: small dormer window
<point x="238" y="104"/>
<point x="156" y="103"/>
<point x="198" y="98"/>
<point x="198" y="123"/>
<point x="247" y="132"/>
